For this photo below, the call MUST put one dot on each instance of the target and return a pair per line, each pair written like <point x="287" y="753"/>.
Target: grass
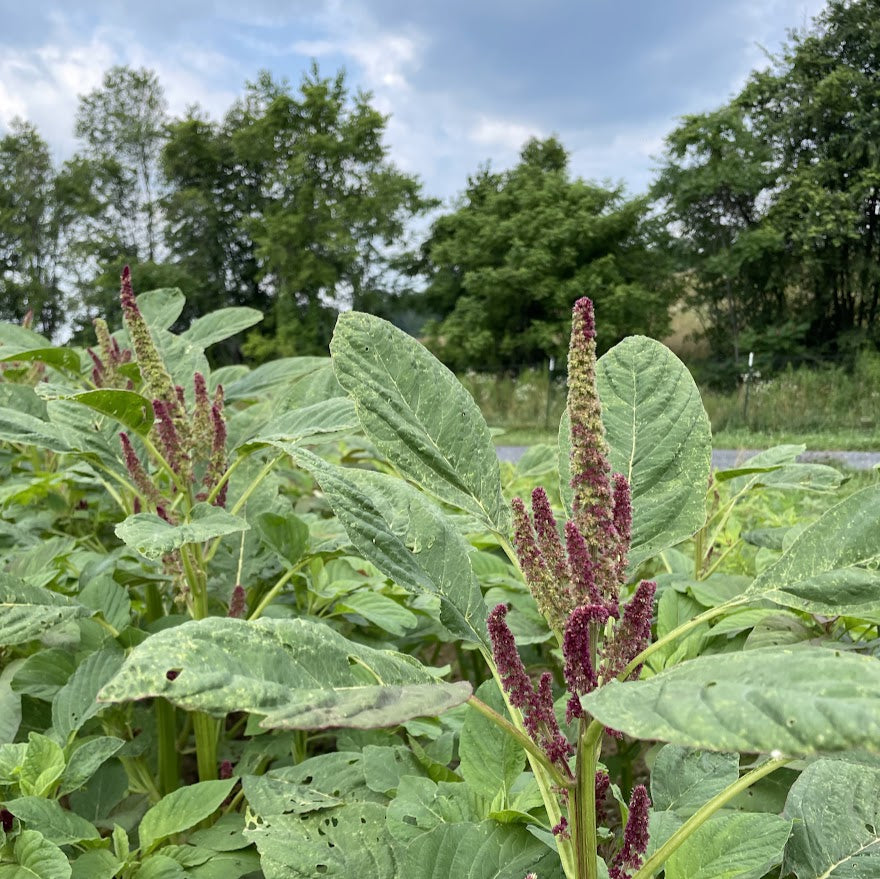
<point x="827" y="408"/>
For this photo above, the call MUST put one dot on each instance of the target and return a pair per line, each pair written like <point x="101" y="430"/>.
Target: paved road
<point x="726" y="458"/>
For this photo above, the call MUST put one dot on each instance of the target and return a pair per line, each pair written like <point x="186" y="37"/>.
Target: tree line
<point x="763" y="217"/>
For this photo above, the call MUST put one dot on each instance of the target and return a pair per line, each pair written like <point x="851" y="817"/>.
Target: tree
<point x="39" y="211"/>
<point x="330" y="207"/>
<point x="523" y="245"/>
<point x="715" y="178"/>
<point x="122" y="126"/>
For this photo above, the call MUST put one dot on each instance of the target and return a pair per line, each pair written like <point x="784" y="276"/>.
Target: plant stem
<point x="525" y="742"/>
<point x="270" y="596"/>
<point x="205" y="728"/>
<point x="584" y="799"/>
<point x="706" y="811"/>
<point x="167" y="757"/>
<point x="699" y="538"/>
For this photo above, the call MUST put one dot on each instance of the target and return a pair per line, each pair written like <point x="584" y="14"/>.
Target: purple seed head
<point x="635" y="836"/>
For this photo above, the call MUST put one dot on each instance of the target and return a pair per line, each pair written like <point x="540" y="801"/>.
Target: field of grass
<point x="827" y="408"/>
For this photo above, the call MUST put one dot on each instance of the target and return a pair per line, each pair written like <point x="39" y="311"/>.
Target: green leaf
<point x="682" y="779"/>
<point x="479" y="851"/>
<point x="422" y="805"/>
<point x="59" y="358"/>
<point x="764" y="462"/>
<point x="659" y="437"/>
<point x="836" y="813"/>
<point x="221" y="324"/>
<point x="298" y="673"/>
<point x="820" y="571"/>
<point x="105" y="596"/>
<point x="181" y="809"/>
<point x="305" y="423"/>
<point x="739" y="846"/>
<point x="28" y="430"/>
<point x="797" y="701"/>
<point x="287" y="536"/>
<point x="272" y="794"/>
<point x="75" y="702"/>
<point x="408" y="538"/>
<point x="10" y="703"/>
<point x="491" y="761"/>
<point x="159" y="866"/>
<point x="161" y="307"/>
<point x="270" y="376"/>
<point x="128" y="408"/>
<point x="44" y="673"/>
<point x="36" y="858"/>
<point x="56" y="824"/>
<point x="380" y="610"/>
<point x="153" y="537"/>
<point x="349" y="841"/>
<point x="96" y="864"/>
<point x="227" y="865"/>
<point x="42" y="766"/>
<point x="385" y="767"/>
<point x="85" y="760"/>
<point x="418" y="414"/>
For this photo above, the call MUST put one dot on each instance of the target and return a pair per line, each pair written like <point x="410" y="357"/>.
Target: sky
<point x="465" y="82"/>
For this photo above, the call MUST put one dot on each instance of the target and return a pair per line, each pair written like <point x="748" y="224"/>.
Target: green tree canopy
<point x="521" y="246"/>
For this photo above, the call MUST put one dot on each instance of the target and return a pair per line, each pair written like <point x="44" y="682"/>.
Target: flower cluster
<point x="576" y="575"/>
<point x="192" y="444"/>
<point x="108" y="359"/>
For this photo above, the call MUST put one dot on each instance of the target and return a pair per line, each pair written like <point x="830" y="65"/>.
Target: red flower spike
<point x="513" y="675"/>
<point x="577" y="648"/>
<point x="237" y="603"/>
<point x="635" y="836"/>
<point x="622" y="522"/>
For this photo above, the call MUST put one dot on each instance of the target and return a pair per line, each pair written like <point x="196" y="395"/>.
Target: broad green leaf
<point x="682" y="779"/>
<point x="96" y="864"/>
<point x="36" y="858"/>
<point x="836" y="813"/>
<point x="102" y="793"/>
<point x="764" y="462"/>
<point x="380" y="610"/>
<point x="105" y="596"/>
<point x="479" y="851"/>
<point x="85" y="760"/>
<point x="225" y="834"/>
<point x="221" y="324"/>
<point x="153" y="537"/>
<point x="659" y="438"/>
<point x="44" y="673"/>
<point x="42" y="766"/>
<point x="299" y="674"/>
<point x="820" y="571"/>
<point x="161" y="307"/>
<point x="408" y="538"/>
<point x="739" y="846"/>
<point x="56" y="824"/>
<point x="797" y="701"/>
<point x="418" y="414"/>
<point x="491" y="760"/>
<point x="159" y="866"/>
<point x="422" y="805"/>
<point x="800" y="477"/>
<point x="10" y="703"/>
<point x="292" y="428"/>
<point x="227" y="865"/>
<point x="274" y="795"/>
<point x="270" y="376"/>
<point x="287" y="536"/>
<point x="181" y="809"/>
<point x="385" y="767"/>
<point x="128" y="408"/>
<point x="348" y="841"/>
<point x="75" y="702"/>
<point x="60" y="358"/>
<point x="28" y="430"/>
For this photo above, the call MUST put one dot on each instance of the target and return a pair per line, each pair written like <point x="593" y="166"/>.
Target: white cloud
<point x="501" y="133"/>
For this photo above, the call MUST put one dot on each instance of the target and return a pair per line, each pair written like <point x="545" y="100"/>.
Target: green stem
<point x="270" y="596"/>
<point x="212" y="496"/>
<point x="206" y="729"/>
<point x="168" y="761"/>
<point x="722" y="557"/>
<point x="706" y="811"/>
<point x="525" y="742"/>
<point x="699" y="537"/>
<point x="584" y="800"/>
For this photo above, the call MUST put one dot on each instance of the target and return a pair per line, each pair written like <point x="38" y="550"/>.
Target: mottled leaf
<point x="26" y="612"/>
<point x="418" y="414"/>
